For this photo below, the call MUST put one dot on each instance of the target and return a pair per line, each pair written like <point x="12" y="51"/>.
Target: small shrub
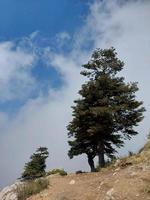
<point x="98" y="168"/>
<point x="147" y="189"/>
<point x="79" y="172"/>
<point x="130" y="153"/>
<point x="61" y="172"/>
<point x="124" y="162"/>
<point x="148" y="136"/>
<point x="30" y="188"/>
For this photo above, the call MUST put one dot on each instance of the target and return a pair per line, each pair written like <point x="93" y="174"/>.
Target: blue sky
<point x="43" y="44"/>
<point x="19" y="19"/>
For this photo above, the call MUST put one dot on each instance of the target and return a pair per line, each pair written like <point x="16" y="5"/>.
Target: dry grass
<point x="147" y="188"/>
<point x="30" y="188"/>
<point x="61" y="172"/>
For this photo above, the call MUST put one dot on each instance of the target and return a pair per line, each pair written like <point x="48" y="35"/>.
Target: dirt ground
<point x="128" y="183"/>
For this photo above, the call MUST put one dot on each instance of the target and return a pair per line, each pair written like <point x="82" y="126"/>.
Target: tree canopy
<point x="35" y="168"/>
<point x="107" y="111"/>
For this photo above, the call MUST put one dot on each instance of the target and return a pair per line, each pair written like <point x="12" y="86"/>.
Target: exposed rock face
<point x="9" y="192"/>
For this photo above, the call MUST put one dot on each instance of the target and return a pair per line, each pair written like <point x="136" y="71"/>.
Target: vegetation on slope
<point x="30" y="188"/>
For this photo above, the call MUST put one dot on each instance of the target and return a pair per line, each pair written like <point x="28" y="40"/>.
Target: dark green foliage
<point x="36" y="167"/>
<point x="30" y="188"/>
<point x="107" y="111"/>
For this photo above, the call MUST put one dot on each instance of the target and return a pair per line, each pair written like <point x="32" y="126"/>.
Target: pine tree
<point x="107" y="112"/>
<point x="35" y="168"/>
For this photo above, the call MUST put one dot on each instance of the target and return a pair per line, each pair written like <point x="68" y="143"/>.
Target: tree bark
<point x="91" y="163"/>
<point x="101" y="160"/>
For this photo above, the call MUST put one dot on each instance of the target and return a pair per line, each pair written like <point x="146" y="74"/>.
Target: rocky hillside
<point x="8" y="193"/>
<point x="126" y="179"/>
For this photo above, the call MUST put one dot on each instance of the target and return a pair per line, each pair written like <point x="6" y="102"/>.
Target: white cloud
<point x="3" y="120"/>
<point x="43" y="121"/>
<point x="15" y="67"/>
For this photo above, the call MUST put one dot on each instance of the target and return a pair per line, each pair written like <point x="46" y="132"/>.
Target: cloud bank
<point x="15" y="68"/>
<point x="42" y="121"/>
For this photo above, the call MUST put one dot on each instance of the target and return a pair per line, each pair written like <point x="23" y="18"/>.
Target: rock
<point x="72" y="182"/>
<point x="117" y="163"/>
<point x="43" y="195"/>
<point x="9" y="192"/>
<point x="102" y="183"/>
<point x="109" y="194"/>
<point x="11" y="196"/>
<point x="145" y="168"/>
<point x="137" y="195"/>
<point x="117" y="181"/>
<point x="117" y="169"/>
<point x="133" y="174"/>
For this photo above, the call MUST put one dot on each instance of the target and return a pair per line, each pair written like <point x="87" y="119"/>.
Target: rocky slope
<point x="8" y="193"/>
<point x="126" y="179"/>
<point x="130" y="183"/>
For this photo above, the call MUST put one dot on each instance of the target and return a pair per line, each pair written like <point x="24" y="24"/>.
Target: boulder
<point x="9" y="192"/>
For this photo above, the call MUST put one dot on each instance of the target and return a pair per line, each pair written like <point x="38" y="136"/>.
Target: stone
<point x="109" y="194"/>
<point x="102" y="183"/>
<point x="133" y="174"/>
<point x="117" y="163"/>
<point x="117" y="169"/>
<point x="117" y="181"/>
<point x="9" y="192"/>
<point x="72" y="182"/>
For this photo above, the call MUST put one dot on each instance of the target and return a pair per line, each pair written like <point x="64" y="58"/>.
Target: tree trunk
<point x="91" y="163"/>
<point x="101" y="160"/>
